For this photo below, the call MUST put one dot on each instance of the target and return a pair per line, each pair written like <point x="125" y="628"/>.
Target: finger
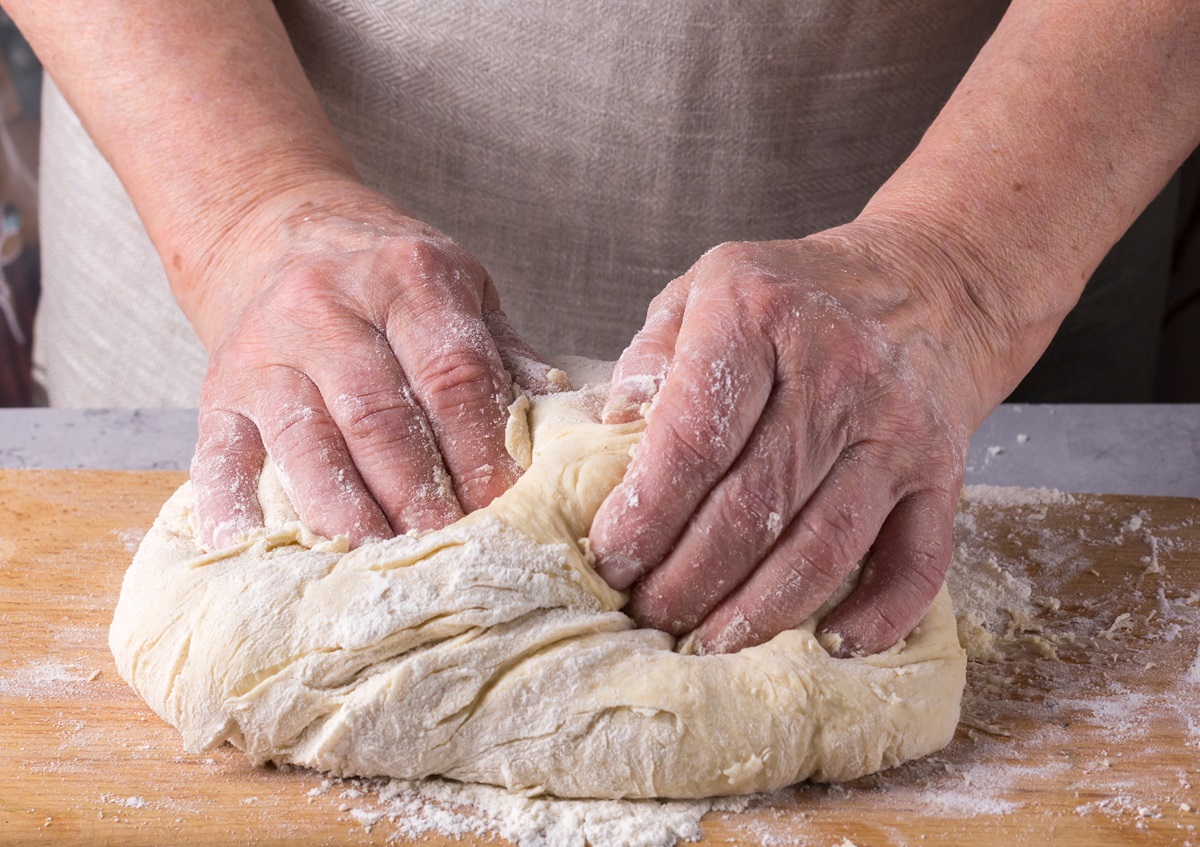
<point x="225" y="469"/>
<point x="388" y="439"/>
<point x="707" y="407"/>
<point x="643" y="366"/>
<point x="902" y="577"/>
<point x="524" y="364"/>
<point x="459" y="381"/>
<point x="737" y="524"/>
<point x="315" y="467"/>
<point x="832" y="532"/>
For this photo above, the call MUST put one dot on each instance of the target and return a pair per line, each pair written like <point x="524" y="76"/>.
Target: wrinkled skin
<point x="810" y="401"/>
<point x="372" y="363"/>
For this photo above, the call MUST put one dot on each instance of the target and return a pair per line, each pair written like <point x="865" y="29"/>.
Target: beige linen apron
<point x="587" y="153"/>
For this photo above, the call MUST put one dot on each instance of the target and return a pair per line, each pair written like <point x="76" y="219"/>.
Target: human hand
<point x="367" y="354"/>
<point x="812" y="401"/>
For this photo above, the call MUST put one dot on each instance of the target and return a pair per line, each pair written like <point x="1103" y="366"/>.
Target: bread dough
<point x="491" y="652"/>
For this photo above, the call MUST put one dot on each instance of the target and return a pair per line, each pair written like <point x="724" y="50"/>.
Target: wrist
<point x="998" y="308"/>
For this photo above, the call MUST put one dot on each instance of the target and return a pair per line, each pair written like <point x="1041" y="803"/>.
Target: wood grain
<point x="1099" y="745"/>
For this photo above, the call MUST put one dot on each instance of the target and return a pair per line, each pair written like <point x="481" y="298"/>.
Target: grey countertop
<point x="1127" y="449"/>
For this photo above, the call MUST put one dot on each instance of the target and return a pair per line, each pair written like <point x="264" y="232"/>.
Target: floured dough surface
<point x="491" y="652"/>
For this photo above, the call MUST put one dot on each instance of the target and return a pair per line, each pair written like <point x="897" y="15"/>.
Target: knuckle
<point x="440" y="263"/>
<point x="721" y="319"/>
<point x="880" y="627"/>
<point x="941" y="464"/>
<point x="830" y="536"/>
<point x="905" y="452"/>
<point x="422" y="255"/>
<point x="435" y="282"/>
<point x="456" y="378"/>
<point x="232" y="369"/>
<point x="764" y="309"/>
<point x="295" y="431"/>
<point x="728" y="252"/>
<point x="480" y="486"/>
<point x="215" y="430"/>
<point x="227" y="441"/>
<point x="809" y="571"/>
<point x="755" y="509"/>
<point x="701" y="443"/>
<point x="651" y="347"/>
<point x="886" y="462"/>
<point x="371" y="416"/>
<point x="871" y="454"/>
<point x="667" y="303"/>
<point x="925" y="567"/>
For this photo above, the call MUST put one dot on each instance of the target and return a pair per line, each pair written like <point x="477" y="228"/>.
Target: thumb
<point x="644" y="364"/>
<point x="524" y="364"/>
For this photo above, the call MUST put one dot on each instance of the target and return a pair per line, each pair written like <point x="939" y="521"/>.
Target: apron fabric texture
<point x="586" y="154"/>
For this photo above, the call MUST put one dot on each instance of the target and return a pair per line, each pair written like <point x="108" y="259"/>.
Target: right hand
<point x="367" y="354"/>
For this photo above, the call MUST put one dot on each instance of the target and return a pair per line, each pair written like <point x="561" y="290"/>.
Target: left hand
<point x="812" y="401"/>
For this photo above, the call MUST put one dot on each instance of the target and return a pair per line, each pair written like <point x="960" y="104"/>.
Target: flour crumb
<point x="1151" y="560"/>
<point x="1007" y="495"/>
<point x="441" y="807"/>
<point x="367" y="817"/>
<point x="134" y="802"/>
<point x="1193" y="672"/>
<point x="1121" y="622"/>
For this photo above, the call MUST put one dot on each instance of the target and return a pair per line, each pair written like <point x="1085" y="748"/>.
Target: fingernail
<point x="618" y="570"/>
<point x="618" y="411"/>
<point x="728" y="638"/>
<point x="224" y="534"/>
<point x="691" y="645"/>
<point x="628" y="396"/>
<point x="836" y="645"/>
<point x="649" y="608"/>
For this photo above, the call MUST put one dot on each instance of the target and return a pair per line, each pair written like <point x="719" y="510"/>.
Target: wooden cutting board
<point x="1085" y="731"/>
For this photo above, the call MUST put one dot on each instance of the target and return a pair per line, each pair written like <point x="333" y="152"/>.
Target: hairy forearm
<point x="1072" y="118"/>
<point x="201" y="107"/>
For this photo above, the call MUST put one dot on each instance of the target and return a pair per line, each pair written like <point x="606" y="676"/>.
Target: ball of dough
<point x="491" y="652"/>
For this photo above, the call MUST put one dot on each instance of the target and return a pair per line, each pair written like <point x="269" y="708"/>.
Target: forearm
<point x="1069" y="122"/>
<point x="201" y="107"/>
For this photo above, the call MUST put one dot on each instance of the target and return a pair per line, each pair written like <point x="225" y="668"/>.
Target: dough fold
<point x="491" y="652"/>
